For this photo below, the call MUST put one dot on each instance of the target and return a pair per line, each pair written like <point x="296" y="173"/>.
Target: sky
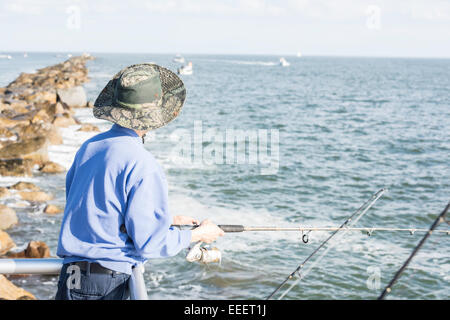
<point x="403" y="28"/>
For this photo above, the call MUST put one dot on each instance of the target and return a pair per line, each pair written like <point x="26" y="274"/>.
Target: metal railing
<point x="138" y="291"/>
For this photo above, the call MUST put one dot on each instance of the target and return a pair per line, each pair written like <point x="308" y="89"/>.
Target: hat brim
<point x="153" y="115"/>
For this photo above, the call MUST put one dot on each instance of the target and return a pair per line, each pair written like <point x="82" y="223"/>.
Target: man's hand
<point x="207" y="232"/>
<point x="181" y="220"/>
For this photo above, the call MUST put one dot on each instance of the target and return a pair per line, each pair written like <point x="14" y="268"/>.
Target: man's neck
<point x="140" y="133"/>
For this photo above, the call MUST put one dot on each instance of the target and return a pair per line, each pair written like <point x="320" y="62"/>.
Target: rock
<point x="9" y="291"/>
<point x="15" y="110"/>
<point x="56" y="108"/>
<point x="18" y="105"/>
<point x="38" y="196"/>
<point x="87" y="56"/>
<point x="47" y="130"/>
<point x="16" y="167"/>
<point x="23" y="79"/>
<point x="34" y="250"/>
<point x="4" y="192"/>
<point x="52" y="209"/>
<point x="54" y="136"/>
<point x="8" y="217"/>
<point x="34" y="149"/>
<point x="42" y="96"/>
<point x="63" y="120"/>
<point x="6" y="133"/>
<point x="69" y="73"/>
<point x="9" y="123"/>
<point x="4" y="107"/>
<point x="6" y="243"/>
<point x="52" y="167"/>
<point x="40" y="116"/>
<point x="32" y="107"/>
<point x="86" y="127"/>
<point x="73" y="97"/>
<point x="22" y="185"/>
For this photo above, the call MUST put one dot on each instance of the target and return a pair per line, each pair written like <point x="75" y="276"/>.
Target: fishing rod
<point x="232" y="228"/>
<point x="349" y="221"/>
<point x="345" y="227"/>
<point x="439" y="220"/>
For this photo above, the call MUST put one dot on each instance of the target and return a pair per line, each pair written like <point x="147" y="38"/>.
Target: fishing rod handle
<point x="232" y="227"/>
<point x="224" y="227"/>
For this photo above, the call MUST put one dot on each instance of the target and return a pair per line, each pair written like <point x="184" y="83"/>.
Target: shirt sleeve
<point x="148" y="221"/>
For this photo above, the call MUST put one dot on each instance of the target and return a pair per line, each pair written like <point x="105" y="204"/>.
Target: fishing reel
<point x="203" y="254"/>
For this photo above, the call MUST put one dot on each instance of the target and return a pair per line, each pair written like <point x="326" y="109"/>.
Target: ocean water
<point x="346" y="128"/>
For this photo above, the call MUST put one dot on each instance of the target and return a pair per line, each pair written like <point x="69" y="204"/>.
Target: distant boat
<point x="186" y="70"/>
<point x="5" y="56"/>
<point x="25" y="55"/>
<point x="69" y="55"/>
<point x="178" y="59"/>
<point x="299" y="54"/>
<point x="284" y="63"/>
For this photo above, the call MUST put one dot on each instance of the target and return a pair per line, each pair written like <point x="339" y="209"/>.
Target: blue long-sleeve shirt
<point x="114" y="181"/>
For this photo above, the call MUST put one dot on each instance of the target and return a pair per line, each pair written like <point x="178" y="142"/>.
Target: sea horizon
<point x="287" y="54"/>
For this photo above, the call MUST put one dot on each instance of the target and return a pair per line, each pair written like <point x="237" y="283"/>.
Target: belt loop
<point x="88" y="268"/>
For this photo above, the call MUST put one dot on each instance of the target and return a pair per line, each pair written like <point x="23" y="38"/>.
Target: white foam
<point x="245" y="62"/>
<point x="72" y="139"/>
<point x="259" y="63"/>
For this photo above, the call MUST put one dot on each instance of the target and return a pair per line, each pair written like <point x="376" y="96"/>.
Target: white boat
<point x="25" y="55"/>
<point x="284" y="63"/>
<point x="186" y="70"/>
<point x="5" y="56"/>
<point x="178" y="59"/>
<point x="299" y="54"/>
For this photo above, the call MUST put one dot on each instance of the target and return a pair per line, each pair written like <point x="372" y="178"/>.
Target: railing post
<point x="30" y="266"/>
<point x="138" y="291"/>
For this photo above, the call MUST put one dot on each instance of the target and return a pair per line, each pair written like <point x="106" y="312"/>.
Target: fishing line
<point x="439" y="220"/>
<point x="345" y="227"/>
<point x="368" y="230"/>
<point x="361" y="210"/>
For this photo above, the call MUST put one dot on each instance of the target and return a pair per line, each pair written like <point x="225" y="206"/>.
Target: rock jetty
<point x="33" y="108"/>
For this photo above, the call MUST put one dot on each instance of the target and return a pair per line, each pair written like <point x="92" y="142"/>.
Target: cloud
<point x="246" y="7"/>
<point x="329" y="10"/>
<point x="431" y="11"/>
<point x="320" y="10"/>
<point x="23" y="7"/>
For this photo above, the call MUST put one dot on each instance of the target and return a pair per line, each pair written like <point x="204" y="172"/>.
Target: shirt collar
<point x="123" y="130"/>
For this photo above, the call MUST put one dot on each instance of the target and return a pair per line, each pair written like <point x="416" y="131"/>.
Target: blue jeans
<point x="83" y="285"/>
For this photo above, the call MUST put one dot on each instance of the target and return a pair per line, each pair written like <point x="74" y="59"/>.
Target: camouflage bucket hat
<point x="142" y="97"/>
